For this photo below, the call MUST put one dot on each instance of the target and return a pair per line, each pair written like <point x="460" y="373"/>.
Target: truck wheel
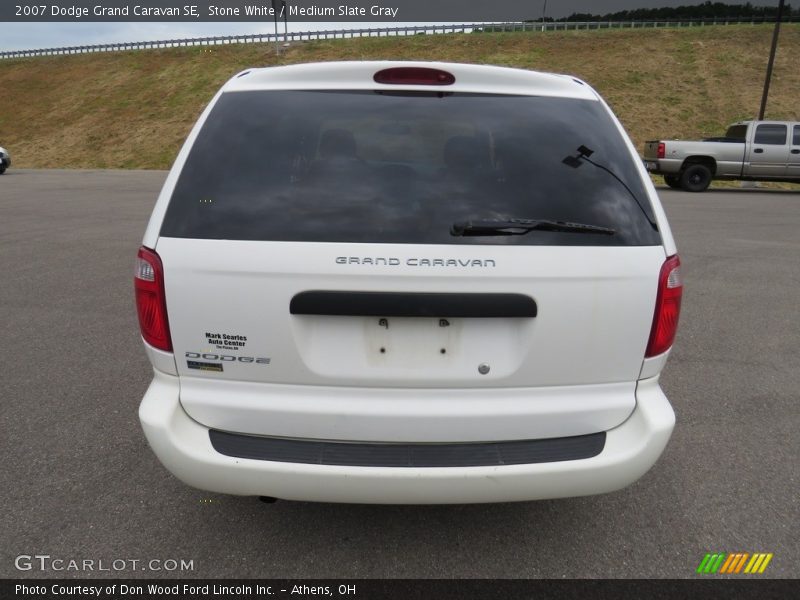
<point x="673" y="181"/>
<point x="696" y="178"/>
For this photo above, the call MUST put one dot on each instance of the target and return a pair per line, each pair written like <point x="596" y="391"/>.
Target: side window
<point x="796" y="140"/>
<point x="774" y="135"/>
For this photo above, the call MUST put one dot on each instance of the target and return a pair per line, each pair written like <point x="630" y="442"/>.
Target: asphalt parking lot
<point x="79" y="482"/>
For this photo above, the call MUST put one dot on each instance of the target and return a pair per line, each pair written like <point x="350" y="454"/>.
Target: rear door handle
<point x="795" y="151"/>
<point x="759" y="150"/>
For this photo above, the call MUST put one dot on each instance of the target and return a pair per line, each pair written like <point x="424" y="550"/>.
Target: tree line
<point x="707" y="10"/>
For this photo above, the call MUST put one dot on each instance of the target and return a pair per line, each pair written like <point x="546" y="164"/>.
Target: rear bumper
<point x="185" y="449"/>
<point x="663" y="166"/>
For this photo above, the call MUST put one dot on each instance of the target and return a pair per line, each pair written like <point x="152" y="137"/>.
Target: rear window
<point x="375" y="167"/>
<point x="736" y="133"/>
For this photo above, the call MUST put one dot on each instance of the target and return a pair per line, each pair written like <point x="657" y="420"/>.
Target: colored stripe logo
<point x="734" y="563"/>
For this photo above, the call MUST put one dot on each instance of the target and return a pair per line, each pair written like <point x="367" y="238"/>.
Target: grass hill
<point x="133" y="109"/>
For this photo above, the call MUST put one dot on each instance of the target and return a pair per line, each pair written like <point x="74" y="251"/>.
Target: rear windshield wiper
<point x="583" y="154"/>
<point x="522" y="226"/>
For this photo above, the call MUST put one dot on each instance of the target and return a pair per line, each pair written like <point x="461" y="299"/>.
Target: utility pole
<point x="276" y="7"/>
<point x="544" y="12"/>
<point x="285" y="20"/>
<point x="771" y="62"/>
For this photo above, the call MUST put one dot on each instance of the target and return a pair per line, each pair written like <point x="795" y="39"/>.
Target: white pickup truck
<point x="749" y="151"/>
<point x="5" y="160"/>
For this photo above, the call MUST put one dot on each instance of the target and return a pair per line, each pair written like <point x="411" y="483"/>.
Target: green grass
<point x="134" y="109"/>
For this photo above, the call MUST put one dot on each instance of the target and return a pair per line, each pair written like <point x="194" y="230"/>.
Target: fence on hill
<point x="300" y="36"/>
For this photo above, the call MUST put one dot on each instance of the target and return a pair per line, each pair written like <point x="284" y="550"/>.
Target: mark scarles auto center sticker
<point x="226" y="341"/>
<point x="222" y="341"/>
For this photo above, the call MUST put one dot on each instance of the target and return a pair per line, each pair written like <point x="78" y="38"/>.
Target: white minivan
<point x="407" y="282"/>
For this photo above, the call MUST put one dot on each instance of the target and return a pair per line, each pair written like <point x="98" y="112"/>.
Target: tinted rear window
<point x="402" y="168"/>
<point x="737" y="132"/>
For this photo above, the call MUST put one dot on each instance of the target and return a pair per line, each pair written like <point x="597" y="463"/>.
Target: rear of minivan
<point x="391" y="282"/>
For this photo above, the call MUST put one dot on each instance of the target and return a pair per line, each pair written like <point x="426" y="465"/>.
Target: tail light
<point x="151" y="303"/>
<point x="668" y="308"/>
<point x="414" y="76"/>
<point x="662" y="150"/>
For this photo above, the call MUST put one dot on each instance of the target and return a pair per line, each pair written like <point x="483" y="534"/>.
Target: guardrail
<point x="259" y="38"/>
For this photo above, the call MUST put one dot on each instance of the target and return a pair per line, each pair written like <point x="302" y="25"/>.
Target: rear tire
<point x="696" y="178"/>
<point x="673" y="181"/>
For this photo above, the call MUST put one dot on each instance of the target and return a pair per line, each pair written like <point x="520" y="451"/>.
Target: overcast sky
<point x="18" y="36"/>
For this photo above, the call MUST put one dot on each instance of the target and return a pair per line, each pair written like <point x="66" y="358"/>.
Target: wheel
<point x="673" y="181"/>
<point x="696" y="178"/>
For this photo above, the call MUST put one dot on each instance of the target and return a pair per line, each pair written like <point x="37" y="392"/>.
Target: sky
<point x="19" y="36"/>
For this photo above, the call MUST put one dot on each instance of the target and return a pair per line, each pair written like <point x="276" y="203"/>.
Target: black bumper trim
<point x="361" y="454"/>
<point x="401" y="304"/>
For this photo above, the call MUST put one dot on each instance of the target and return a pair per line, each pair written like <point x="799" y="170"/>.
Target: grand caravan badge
<point x="392" y="261"/>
